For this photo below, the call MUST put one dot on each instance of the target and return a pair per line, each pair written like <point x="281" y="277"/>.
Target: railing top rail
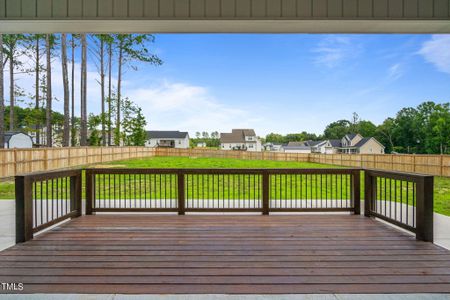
<point x="397" y="175"/>
<point x="221" y="171"/>
<point x="45" y="175"/>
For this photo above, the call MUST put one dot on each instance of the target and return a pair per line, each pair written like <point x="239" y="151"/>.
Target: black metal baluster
<point x="407" y="201"/>
<point x="414" y="204"/>
<point x="41" y="203"/>
<point x="340" y="188"/>
<point x="401" y="201"/>
<point x="390" y="198"/>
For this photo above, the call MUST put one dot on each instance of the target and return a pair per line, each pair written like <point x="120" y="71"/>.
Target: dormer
<point x="250" y="138"/>
<point x="350" y="140"/>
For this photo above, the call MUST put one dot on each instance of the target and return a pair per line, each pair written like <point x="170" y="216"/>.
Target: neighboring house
<point x="17" y="140"/>
<point x="167" y="139"/>
<point x="327" y="147"/>
<point x="273" y="147"/>
<point x="57" y="136"/>
<point x="297" y="147"/>
<point x="355" y="143"/>
<point x="349" y="144"/>
<point x="201" y="145"/>
<point x="240" y="139"/>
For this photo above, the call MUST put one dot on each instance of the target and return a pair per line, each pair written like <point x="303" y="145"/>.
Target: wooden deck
<point x="168" y="254"/>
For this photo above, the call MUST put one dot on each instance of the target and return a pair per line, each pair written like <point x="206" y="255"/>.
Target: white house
<point x="273" y="147"/>
<point x="297" y="147"/>
<point x="17" y="140"/>
<point x="201" y="145"/>
<point x="349" y="144"/>
<point x="167" y="139"/>
<point x="355" y="143"/>
<point x="240" y="139"/>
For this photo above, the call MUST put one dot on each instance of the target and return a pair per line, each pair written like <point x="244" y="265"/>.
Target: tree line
<point x="211" y="140"/>
<point x="120" y="122"/>
<point x="424" y="129"/>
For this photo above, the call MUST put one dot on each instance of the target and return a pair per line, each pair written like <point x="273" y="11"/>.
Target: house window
<point x="250" y="146"/>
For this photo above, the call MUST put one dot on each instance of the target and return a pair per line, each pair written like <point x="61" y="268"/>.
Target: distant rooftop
<point x="237" y="136"/>
<point x="166" y="134"/>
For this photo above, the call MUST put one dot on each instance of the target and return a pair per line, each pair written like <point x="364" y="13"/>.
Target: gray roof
<point x="335" y="143"/>
<point x="362" y="142"/>
<point x="313" y="143"/>
<point x="296" y="147"/>
<point x="166" y="134"/>
<point x="297" y="144"/>
<point x="237" y="136"/>
<point x="351" y="136"/>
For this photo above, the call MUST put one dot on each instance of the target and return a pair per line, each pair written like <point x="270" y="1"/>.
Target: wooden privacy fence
<point x="436" y="165"/>
<point x="21" y="161"/>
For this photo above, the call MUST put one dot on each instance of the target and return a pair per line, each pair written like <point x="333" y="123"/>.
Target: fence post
<point x="181" y="194"/>
<point x="369" y="188"/>
<point x="45" y="158"/>
<point x="75" y="194"/>
<point x="424" y="209"/>
<point x="265" y="192"/>
<point x="89" y="191"/>
<point x="356" y="191"/>
<point x="15" y="161"/>
<point x="24" y="209"/>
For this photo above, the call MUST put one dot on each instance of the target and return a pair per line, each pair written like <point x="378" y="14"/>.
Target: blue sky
<point x="284" y="83"/>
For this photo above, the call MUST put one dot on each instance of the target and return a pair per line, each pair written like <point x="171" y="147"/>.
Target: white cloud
<point x="395" y="72"/>
<point x="181" y="106"/>
<point x="437" y="52"/>
<point x="166" y="105"/>
<point x="333" y="50"/>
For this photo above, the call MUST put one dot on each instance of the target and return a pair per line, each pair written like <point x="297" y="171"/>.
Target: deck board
<point x="199" y="254"/>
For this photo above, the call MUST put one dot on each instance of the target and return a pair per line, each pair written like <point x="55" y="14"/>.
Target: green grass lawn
<point x="306" y="186"/>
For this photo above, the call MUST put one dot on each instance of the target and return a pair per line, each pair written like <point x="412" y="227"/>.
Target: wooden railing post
<point x="75" y="194"/>
<point x="356" y="191"/>
<point x="265" y="192"/>
<point x="424" y="209"/>
<point x="181" y="194"/>
<point x="369" y="189"/>
<point x="24" y="209"/>
<point x="89" y="191"/>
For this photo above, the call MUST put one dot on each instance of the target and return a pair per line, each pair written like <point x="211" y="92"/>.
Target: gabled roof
<point x="365" y="140"/>
<point x="351" y="136"/>
<point x="237" y="136"/>
<point x="166" y="135"/>
<point x="335" y="143"/>
<point x="314" y="143"/>
<point x="246" y="132"/>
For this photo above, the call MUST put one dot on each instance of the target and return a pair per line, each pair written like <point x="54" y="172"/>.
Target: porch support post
<point x="89" y="192"/>
<point x="424" y="209"/>
<point x="24" y="209"/>
<point x="369" y="190"/>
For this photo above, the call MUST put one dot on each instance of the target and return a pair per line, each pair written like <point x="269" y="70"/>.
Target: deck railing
<point x="224" y="190"/>
<point x="45" y="199"/>
<point x="403" y="199"/>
